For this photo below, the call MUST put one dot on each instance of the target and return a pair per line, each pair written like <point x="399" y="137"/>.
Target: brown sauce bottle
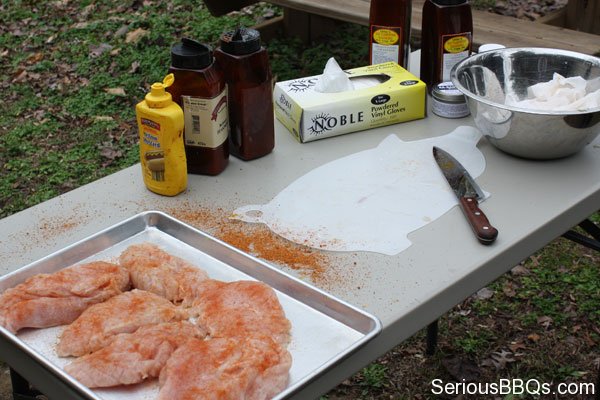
<point x="447" y="38"/>
<point x="200" y="90"/>
<point x="245" y="64"/>
<point x="389" y="30"/>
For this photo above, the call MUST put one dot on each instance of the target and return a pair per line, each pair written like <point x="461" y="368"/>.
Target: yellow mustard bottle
<point x="162" y="153"/>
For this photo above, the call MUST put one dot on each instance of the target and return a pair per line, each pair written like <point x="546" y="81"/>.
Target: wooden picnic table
<point x="308" y="18"/>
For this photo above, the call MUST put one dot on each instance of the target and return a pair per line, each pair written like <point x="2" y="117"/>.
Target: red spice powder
<point x="258" y="240"/>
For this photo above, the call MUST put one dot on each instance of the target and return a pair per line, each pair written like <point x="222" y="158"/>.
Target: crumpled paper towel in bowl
<point x="370" y="200"/>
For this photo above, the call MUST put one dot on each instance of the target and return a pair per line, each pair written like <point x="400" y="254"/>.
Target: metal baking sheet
<point x="324" y="329"/>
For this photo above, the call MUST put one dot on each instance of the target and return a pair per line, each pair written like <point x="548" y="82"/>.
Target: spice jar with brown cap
<point x="201" y="91"/>
<point x="245" y="64"/>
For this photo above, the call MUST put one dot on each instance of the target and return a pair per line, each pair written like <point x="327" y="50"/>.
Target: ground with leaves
<point x="71" y="73"/>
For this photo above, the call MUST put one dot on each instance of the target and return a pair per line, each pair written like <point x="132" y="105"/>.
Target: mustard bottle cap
<point x="158" y="96"/>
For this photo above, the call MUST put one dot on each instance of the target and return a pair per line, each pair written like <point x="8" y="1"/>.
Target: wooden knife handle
<point x="485" y="232"/>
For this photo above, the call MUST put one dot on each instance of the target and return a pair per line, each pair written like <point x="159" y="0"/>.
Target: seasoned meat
<point x="157" y="271"/>
<point x="46" y="300"/>
<point x="226" y="369"/>
<point x="241" y="308"/>
<point x="125" y="313"/>
<point x="133" y="357"/>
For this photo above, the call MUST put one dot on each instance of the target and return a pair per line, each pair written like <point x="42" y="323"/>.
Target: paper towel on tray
<point x="370" y="200"/>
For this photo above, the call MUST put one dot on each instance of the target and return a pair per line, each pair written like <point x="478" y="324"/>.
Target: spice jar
<point x="200" y="90"/>
<point x="389" y="31"/>
<point x="245" y="64"/>
<point x="447" y="101"/>
<point x="447" y="38"/>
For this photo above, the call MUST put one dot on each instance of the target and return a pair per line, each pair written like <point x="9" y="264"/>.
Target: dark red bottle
<point x="245" y="64"/>
<point x="200" y="90"/>
<point x="389" y="25"/>
<point x="447" y="38"/>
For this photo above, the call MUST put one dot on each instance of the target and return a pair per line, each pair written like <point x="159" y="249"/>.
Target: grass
<point x="62" y="127"/>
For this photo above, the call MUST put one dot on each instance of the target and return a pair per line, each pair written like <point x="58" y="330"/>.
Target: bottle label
<point x="206" y="120"/>
<point x="454" y="48"/>
<point x="385" y="43"/>
<point x="153" y="157"/>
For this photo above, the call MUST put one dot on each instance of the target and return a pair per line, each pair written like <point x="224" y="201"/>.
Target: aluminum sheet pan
<point x="324" y="329"/>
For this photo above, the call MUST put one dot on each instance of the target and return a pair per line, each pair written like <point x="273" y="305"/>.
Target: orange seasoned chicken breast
<point x="125" y="313"/>
<point x="157" y="271"/>
<point x="46" y="300"/>
<point x="226" y="369"/>
<point x="133" y="357"/>
<point x="241" y="308"/>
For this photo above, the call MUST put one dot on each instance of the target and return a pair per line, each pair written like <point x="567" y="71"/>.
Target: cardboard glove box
<point x="396" y="96"/>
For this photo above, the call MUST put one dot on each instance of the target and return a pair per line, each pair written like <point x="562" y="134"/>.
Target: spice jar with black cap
<point x="245" y="63"/>
<point x="201" y="91"/>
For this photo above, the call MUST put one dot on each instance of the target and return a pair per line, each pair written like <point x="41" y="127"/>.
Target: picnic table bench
<point x="309" y="18"/>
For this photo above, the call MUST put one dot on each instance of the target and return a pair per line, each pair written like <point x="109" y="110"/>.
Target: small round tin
<point x="448" y="102"/>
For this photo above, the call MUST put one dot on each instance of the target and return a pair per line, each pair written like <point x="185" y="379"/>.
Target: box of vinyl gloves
<point x="339" y="102"/>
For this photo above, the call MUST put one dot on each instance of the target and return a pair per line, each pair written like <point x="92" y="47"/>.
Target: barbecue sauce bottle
<point x="201" y="92"/>
<point x="389" y="26"/>
<point x="245" y="64"/>
<point x="447" y="38"/>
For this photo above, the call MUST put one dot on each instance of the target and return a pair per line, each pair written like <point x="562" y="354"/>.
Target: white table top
<point x="532" y="203"/>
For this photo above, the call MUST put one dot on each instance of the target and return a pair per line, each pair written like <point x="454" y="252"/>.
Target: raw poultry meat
<point x="240" y="308"/>
<point x="226" y="368"/>
<point x="46" y="300"/>
<point x="133" y="357"/>
<point x="125" y="313"/>
<point x="159" y="272"/>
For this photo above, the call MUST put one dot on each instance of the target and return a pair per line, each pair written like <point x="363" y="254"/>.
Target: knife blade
<point x="469" y="195"/>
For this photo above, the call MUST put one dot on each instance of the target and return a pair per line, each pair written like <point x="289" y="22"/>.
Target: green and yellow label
<point x="385" y="36"/>
<point x="456" y="44"/>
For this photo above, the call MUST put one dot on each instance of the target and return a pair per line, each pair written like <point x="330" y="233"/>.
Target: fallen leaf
<point x="121" y="31"/>
<point x="134" y="67"/>
<point x="545" y="321"/>
<point x="34" y="58"/>
<point x="135" y="36"/>
<point x="103" y="118"/>
<point x="4" y="53"/>
<point x="119" y="91"/>
<point x="462" y="369"/>
<point x="520" y="270"/>
<point x="115" y="52"/>
<point x="534" y="337"/>
<point x="503" y="357"/>
<point x="20" y="76"/>
<point x="80" y="25"/>
<point x="516" y="346"/>
<point x="110" y="153"/>
<point x="98" y="50"/>
<point x="508" y="290"/>
<point x="484" y="294"/>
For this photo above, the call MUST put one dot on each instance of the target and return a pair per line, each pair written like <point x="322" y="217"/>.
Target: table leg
<point x="591" y="243"/>
<point x="432" y="336"/>
<point x="591" y="228"/>
<point x="21" y="388"/>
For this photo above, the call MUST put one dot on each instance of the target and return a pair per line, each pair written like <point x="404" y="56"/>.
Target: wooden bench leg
<point x="307" y="27"/>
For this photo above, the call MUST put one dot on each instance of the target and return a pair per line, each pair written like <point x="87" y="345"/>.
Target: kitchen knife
<point x="469" y="195"/>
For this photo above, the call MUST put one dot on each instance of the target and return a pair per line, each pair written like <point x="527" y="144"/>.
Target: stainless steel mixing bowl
<point x="486" y="78"/>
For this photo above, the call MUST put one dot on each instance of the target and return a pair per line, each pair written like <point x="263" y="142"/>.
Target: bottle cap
<point x="190" y="54"/>
<point x="158" y="96"/>
<point x="490" y="46"/>
<point x="446" y="91"/>
<point x="449" y="2"/>
<point x="241" y="41"/>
